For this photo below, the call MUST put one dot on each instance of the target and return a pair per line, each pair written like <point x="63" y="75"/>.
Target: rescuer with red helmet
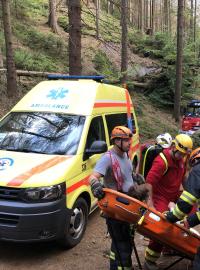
<point x="116" y="169"/>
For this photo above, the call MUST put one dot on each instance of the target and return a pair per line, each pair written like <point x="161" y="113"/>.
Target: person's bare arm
<point x="94" y="176"/>
<point x="150" y="199"/>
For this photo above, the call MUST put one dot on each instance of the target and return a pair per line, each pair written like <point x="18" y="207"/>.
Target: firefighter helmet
<point x="164" y="140"/>
<point x="183" y="143"/>
<point x="121" y="132"/>
<point x="194" y="157"/>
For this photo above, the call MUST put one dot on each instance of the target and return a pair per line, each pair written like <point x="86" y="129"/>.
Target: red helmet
<point x="194" y="157"/>
<point x="121" y="132"/>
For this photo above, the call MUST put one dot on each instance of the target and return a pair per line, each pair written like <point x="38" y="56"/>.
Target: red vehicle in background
<point x="191" y="117"/>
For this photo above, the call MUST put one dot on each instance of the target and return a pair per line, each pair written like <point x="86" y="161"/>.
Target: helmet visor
<point x="181" y="147"/>
<point x="123" y="136"/>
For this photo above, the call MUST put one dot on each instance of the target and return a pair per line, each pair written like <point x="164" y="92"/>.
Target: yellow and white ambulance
<point x="49" y="144"/>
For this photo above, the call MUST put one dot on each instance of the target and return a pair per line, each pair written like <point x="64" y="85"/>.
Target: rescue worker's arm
<point x="155" y="175"/>
<point x="183" y="207"/>
<point x="188" y="198"/>
<point x="99" y="171"/>
<point x="193" y="219"/>
<point x="150" y="195"/>
<point x="96" y="185"/>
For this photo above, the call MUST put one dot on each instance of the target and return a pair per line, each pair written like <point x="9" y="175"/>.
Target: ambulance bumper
<point x="20" y="222"/>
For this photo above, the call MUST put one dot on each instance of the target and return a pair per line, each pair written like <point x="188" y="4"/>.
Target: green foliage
<point x="149" y="130"/>
<point x="109" y="26"/>
<point x="104" y="66"/>
<point x="49" y="43"/>
<point x="28" y="60"/>
<point x="196" y="139"/>
<point x="137" y="39"/>
<point x="29" y="9"/>
<point x="152" y="121"/>
<point x="158" y="41"/>
<point x="162" y="46"/>
<point x="116" y="12"/>
<point x="63" y="22"/>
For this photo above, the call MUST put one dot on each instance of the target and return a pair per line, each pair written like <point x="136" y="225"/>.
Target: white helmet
<point x="164" y="140"/>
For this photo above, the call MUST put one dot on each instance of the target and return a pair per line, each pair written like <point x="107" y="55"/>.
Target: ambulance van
<point x="49" y="144"/>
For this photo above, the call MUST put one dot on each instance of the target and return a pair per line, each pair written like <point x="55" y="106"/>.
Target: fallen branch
<point x="31" y="73"/>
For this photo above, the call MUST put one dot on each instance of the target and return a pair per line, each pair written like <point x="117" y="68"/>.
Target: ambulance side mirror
<point x="97" y="147"/>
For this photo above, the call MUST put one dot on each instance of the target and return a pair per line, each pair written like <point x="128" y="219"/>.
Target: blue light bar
<point x="74" y="77"/>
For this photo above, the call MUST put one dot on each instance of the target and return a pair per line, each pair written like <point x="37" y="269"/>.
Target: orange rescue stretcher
<point x="150" y="223"/>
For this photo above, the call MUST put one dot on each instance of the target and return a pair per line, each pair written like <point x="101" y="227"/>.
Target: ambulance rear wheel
<point x="77" y="224"/>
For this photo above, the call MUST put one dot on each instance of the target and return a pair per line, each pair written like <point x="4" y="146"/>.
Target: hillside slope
<point x="152" y="120"/>
<point x="37" y="48"/>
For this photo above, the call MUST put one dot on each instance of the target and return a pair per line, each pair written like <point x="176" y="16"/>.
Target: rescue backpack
<point x="148" y="154"/>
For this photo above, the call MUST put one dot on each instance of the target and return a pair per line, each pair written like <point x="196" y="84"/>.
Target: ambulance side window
<point x="119" y="119"/>
<point x="96" y="131"/>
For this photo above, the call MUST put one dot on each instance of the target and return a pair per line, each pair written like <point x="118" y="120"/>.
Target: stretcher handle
<point x="122" y="200"/>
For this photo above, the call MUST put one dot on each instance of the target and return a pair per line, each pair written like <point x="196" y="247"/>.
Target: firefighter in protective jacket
<point x="188" y="198"/>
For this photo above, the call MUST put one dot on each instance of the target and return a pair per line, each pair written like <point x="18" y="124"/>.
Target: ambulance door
<point x="96" y="132"/>
<point x="120" y="119"/>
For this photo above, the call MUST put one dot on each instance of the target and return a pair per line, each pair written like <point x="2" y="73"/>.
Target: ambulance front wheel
<point x="77" y="225"/>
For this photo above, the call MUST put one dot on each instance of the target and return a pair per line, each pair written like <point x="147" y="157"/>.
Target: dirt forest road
<point x="88" y="255"/>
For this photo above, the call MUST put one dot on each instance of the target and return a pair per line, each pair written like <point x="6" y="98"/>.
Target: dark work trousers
<point x="196" y="263"/>
<point x="121" y="246"/>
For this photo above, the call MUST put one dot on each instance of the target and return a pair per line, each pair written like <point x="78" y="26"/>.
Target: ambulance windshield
<point x="41" y="132"/>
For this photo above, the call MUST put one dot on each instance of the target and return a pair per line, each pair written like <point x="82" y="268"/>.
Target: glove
<point x="184" y="223"/>
<point x="170" y="216"/>
<point x="97" y="189"/>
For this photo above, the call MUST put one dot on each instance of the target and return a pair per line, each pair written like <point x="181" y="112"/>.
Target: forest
<point x="108" y="38"/>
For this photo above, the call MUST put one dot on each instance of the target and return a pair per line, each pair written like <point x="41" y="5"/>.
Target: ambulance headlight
<point x="44" y="194"/>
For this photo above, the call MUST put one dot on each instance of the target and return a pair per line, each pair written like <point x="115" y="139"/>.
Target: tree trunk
<point x="74" y="14"/>
<point x="1" y="59"/>
<point x="195" y="20"/>
<point x="152" y="11"/>
<point x="110" y="7"/>
<point x="10" y="64"/>
<point x="146" y="15"/>
<point x="169" y="16"/>
<point x="161" y="16"/>
<point x="124" y="41"/>
<point x="191" y="20"/>
<point x="179" y="60"/>
<point x="140" y="15"/>
<point x="166" y="16"/>
<point x="97" y="5"/>
<point x="156" y="20"/>
<point x="52" y="21"/>
<point x="132" y="8"/>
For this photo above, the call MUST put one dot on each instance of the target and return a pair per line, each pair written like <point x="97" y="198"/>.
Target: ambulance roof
<point x="81" y="97"/>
